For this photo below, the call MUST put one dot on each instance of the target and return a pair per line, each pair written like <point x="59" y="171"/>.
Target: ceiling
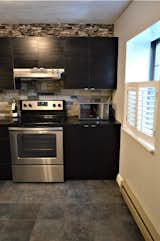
<point x="98" y="12"/>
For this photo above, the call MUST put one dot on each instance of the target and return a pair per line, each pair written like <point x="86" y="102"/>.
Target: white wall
<point x="138" y="167"/>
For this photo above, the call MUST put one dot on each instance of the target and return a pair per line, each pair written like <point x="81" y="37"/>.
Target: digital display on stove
<point x="42" y="103"/>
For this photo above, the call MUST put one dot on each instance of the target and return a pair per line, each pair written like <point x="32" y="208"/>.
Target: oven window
<point x="36" y="145"/>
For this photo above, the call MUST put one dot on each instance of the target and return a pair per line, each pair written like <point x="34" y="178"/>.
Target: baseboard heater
<point x="146" y="227"/>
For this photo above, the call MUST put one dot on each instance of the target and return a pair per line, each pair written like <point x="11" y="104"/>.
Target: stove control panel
<point x="42" y="105"/>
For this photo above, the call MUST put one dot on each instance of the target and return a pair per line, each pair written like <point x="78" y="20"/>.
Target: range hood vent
<point x="39" y="73"/>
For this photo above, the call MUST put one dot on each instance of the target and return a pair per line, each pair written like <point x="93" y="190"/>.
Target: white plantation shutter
<point x="146" y="107"/>
<point x="141" y="109"/>
<point x="131" y="108"/>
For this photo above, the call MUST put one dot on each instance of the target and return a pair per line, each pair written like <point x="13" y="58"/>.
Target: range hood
<point x="39" y="73"/>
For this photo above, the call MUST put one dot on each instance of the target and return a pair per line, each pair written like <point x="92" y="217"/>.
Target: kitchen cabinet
<point x="76" y="63"/>
<point x="91" y="151"/>
<point x="25" y="52"/>
<point x="41" y="52"/>
<point x="5" y="157"/>
<point x="50" y="52"/>
<point x="6" y="64"/>
<point x="103" y="62"/>
<point x="91" y="63"/>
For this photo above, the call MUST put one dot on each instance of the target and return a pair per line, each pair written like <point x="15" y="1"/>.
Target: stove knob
<point x="24" y="105"/>
<point x="59" y="105"/>
<point x="54" y="105"/>
<point x="30" y="105"/>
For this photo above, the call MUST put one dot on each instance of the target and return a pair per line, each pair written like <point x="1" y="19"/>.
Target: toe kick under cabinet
<point x="91" y="151"/>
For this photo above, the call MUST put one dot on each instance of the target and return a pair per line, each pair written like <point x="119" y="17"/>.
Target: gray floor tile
<point x="48" y="230"/>
<point x="54" y="194"/>
<point x="19" y="211"/>
<point x="71" y="211"/>
<point x="76" y="229"/>
<point x="8" y="196"/>
<point x="116" y="230"/>
<point x="14" y="230"/>
<point x="52" y="210"/>
<point x="35" y="196"/>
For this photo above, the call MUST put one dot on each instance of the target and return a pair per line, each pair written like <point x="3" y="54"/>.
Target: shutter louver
<point x="131" y="115"/>
<point x="141" y="109"/>
<point x="146" y="106"/>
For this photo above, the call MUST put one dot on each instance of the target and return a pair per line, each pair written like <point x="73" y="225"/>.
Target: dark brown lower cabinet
<point x="91" y="152"/>
<point x="5" y="157"/>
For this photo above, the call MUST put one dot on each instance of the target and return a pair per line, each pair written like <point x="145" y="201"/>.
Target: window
<point x="141" y="109"/>
<point x="155" y="60"/>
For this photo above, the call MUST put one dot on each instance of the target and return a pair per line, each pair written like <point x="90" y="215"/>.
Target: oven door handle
<point x="35" y="129"/>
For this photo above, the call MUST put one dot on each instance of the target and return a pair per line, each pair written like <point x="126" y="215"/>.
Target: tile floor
<point x="71" y="211"/>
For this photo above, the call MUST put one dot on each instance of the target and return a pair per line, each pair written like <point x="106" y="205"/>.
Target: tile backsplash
<point x="72" y="98"/>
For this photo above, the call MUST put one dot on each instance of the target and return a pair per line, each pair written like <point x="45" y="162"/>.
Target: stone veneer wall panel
<point x="57" y="30"/>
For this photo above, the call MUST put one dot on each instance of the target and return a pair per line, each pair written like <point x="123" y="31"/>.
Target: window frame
<point x="153" y="58"/>
<point x="133" y="129"/>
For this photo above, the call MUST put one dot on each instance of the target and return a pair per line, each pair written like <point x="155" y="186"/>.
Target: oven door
<point x="36" y="145"/>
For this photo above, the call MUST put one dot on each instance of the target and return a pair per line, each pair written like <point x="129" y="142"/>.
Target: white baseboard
<point x="119" y="180"/>
<point x="145" y="225"/>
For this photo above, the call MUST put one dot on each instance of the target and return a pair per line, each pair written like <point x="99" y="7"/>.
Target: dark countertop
<point x="76" y="121"/>
<point x="6" y="122"/>
<point x="68" y="121"/>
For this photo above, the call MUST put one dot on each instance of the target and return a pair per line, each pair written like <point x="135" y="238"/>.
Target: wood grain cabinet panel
<point x="91" y="152"/>
<point x="25" y="52"/>
<point x="6" y="64"/>
<point x="103" y="53"/>
<point x="76" y="63"/>
<point x="50" y="52"/>
<point x="5" y="156"/>
<point x="91" y="63"/>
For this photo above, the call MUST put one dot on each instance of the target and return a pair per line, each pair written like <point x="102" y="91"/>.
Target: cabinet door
<point x="76" y="63"/>
<point x="103" y="62"/>
<point x="50" y="52"/>
<point x="5" y="157"/>
<point x="91" y="152"/>
<point x="25" y="52"/>
<point x="6" y="64"/>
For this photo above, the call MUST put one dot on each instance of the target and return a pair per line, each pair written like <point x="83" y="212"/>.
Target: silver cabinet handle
<point x="93" y="125"/>
<point x="85" y="88"/>
<point x="92" y="88"/>
<point x="86" y="126"/>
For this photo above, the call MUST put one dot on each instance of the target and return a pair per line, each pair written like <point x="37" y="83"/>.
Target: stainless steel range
<point x="37" y="142"/>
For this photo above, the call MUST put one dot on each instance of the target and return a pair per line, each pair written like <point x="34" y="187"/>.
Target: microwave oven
<point x="94" y="111"/>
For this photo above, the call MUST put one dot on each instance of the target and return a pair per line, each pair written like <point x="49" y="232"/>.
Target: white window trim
<point x="146" y="141"/>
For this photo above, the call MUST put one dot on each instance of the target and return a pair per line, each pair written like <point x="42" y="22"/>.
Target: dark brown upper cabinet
<point x="91" y="63"/>
<point x="6" y="64"/>
<point x="41" y="52"/>
<point x="77" y="73"/>
<point x="103" y="62"/>
<point x="25" y="52"/>
<point x="50" y="52"/>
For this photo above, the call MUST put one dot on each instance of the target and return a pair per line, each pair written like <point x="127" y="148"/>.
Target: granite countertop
<point x="6" y="122"/>
<point x="68" y="121"/>
<point x="76" y="121"/>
